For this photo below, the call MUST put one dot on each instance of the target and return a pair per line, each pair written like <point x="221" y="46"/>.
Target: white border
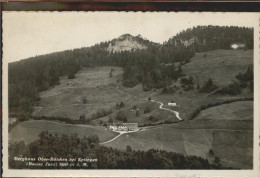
<point x="141" y="173"/>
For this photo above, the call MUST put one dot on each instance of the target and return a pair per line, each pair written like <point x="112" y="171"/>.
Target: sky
<point x="27" y="34"/>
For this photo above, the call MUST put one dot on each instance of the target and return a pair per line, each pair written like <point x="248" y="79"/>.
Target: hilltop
<point x="128" y="42"/>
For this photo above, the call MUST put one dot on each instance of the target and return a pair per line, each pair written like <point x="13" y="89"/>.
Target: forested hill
<point x="141" y="59"/>
<point x="205" y="38"/>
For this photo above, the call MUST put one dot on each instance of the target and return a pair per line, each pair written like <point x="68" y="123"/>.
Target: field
<point x="231" y="140"/>
<point x="101" y="92"/>
<point x="104" y="92"/>
<point x="29" y="130"/>
<point x="220" y="65"/>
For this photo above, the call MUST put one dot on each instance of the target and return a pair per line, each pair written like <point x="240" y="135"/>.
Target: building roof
<point x="130" y="124"/>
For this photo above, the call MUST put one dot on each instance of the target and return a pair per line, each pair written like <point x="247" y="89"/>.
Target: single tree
<point x="137" y="114"/>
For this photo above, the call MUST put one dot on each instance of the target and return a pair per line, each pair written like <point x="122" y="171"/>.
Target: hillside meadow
<point x="231" y="140"/>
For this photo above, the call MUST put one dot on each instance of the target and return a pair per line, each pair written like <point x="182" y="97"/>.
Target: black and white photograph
<point x="129" y="90"/>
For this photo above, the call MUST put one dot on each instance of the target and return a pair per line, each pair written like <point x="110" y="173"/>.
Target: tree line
<point x="71" y="146"/>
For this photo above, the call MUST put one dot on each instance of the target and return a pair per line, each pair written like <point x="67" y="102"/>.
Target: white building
<point x="171" y="104"/>
<point x="124" y="127"/>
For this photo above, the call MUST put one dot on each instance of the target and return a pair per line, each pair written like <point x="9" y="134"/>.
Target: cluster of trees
<point x="153" y="118"/>
<point x="245" y="80"/>
<point x="121" y="116"/>
<point x="65" y="146"/>
<point x="83" y="120"/>
<point x="120" y="105"/>
<point x="208" y="86"/>
<point x="187" y="83"/>
<point x="147" y="109"/>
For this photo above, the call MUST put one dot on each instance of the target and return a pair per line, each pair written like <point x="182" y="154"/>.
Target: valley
<point x="226" y="129"/>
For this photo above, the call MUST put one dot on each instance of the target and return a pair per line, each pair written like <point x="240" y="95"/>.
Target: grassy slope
<point x="220" y="65"/>
<point x="29" y="130"/>
<point x="65" y="100"/>
<point x="230" y="140"/>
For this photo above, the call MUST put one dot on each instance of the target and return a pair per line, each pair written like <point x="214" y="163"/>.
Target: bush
<point x="211" y="152"/>
<point x="137" y="114"/>
<point x="153" y="119"/>
<point x="120" y="105"/>
<point x="147" y="110"/>
<point x="121" y="117"/>
<point x="128" y="148"/>
<point x="187" y="81"/>
<point x="110" y="120"/>
<point x="84" y="100"/>
<point x="208" y="87"/>
<point x="82" y="119"/>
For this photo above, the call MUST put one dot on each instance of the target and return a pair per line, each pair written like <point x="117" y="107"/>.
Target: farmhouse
<point x="171" y="104"/>
<point x="124" y="127"/>
<point x="131" y="126"/>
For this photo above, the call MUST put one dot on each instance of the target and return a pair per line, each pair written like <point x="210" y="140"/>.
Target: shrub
<point x="110" y="120"/>
<point x="122" y="104"/>
<point x="153" y="119"/>
<point x="121" y="117"/>
<point x="211" y="152"/>
<point x="84" y="100"/>
<point x="209" y="86"/>
<point x="147" y="110"/>
<point x="128" y="148"/>
<point x="137" y="114"/>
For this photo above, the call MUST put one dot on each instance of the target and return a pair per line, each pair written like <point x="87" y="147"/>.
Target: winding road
<point x="177" y="114"/>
